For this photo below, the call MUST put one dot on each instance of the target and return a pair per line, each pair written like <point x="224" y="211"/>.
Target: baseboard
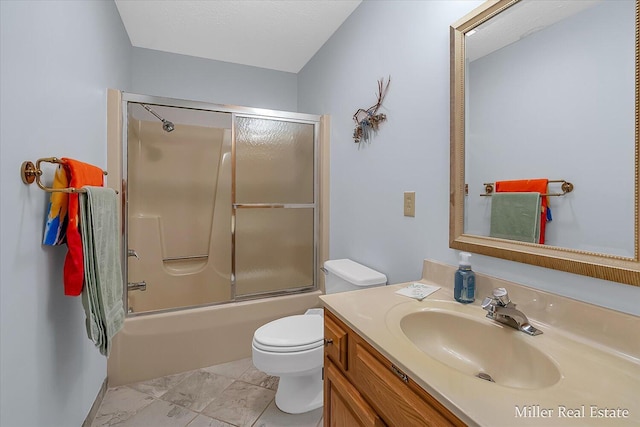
<point x="96" y="405"/>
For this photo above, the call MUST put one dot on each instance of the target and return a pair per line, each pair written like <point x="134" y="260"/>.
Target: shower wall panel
<point x="179" y="215"/>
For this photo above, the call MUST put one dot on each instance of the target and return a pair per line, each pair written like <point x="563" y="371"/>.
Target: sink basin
<point x="474" y="347"/>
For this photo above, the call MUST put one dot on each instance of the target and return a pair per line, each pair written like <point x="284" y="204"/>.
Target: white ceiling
<point x="280" y="35"/>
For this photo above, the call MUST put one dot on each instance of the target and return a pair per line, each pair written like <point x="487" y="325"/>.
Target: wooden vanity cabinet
<point x="343" y="405"/>
<point x="335" y="336"/>
<point x="363" y="388"/>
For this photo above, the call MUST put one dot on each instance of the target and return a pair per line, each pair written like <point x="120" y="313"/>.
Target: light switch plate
<point x="410" y="203"/>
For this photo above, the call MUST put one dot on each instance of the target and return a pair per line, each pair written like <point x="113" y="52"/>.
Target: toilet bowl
<point x="292" y="347"/>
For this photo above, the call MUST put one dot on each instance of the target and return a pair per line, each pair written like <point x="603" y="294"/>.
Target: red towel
<point x="526" y="185"/>
<point x="80" y="174"/>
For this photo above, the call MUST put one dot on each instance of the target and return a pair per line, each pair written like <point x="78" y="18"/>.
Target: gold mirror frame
<point x="602" y="266"/>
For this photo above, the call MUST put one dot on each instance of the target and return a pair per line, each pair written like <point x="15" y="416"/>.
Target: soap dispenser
<point x="464" y="290"/>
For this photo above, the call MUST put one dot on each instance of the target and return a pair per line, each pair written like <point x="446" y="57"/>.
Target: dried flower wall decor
<point x="368" y="121"/>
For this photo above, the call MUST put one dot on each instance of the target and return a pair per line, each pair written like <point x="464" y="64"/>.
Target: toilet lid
<point x="292" y="333"/>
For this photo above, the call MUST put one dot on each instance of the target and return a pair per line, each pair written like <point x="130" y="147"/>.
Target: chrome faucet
<point x="500" y="308"/>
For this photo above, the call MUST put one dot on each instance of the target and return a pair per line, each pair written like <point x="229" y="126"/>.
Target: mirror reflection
<point x="549" y="94"/>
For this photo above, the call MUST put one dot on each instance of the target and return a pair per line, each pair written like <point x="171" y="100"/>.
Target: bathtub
<point x="154" y="345"/>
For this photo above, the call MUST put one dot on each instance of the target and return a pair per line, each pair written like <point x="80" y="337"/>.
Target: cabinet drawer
<point x="335" y="342"/>
<point x="382" y="385"/>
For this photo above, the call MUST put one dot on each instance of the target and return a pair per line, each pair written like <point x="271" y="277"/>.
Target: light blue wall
<point x="408" y="40"/>
<point x="57" y="60"/>
<point x="187" y="77"/>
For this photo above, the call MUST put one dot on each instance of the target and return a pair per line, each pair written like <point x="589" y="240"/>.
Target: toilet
<point x="292" y="347"/>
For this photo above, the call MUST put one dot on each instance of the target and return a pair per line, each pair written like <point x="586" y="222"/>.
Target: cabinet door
<point x="336" y="341"/>
<point x="385" y="386"/>
<point x="344" y="407"/>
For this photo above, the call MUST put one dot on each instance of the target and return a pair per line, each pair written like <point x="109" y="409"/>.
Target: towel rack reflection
<point x="566" y="187"/>
<point x="30" y="173"/>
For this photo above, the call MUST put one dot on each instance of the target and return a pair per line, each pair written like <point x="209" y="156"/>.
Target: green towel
<point x="516" y="216"/>
<point x="102" y="290"/>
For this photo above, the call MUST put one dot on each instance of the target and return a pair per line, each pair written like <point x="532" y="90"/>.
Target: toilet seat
<point x="290" y="334"/>
<point x="287" y="349"/>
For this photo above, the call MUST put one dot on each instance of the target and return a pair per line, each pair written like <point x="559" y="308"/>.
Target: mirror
<point x="549" y="89"/>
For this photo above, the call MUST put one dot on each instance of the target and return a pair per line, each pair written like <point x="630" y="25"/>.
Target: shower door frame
<point x="235" y="111"/>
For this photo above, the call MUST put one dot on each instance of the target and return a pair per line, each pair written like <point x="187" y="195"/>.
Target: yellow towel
<point x="55" y="228"/>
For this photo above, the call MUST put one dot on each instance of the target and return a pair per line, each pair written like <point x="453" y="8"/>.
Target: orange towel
<point x="528" y="185"/>
<point x="80" y="174"/>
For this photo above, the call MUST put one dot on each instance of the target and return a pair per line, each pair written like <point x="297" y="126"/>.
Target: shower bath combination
<point x="181" y="225"/>
<point x="226" y="227"/>
<point x="166" y="124"/>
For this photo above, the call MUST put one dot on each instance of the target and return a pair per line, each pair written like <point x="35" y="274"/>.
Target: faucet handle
<point x="487" y="303"/>
<point x="501" y="296"/>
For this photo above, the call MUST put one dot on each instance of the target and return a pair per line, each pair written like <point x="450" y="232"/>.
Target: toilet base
<point x="300" y="394"/>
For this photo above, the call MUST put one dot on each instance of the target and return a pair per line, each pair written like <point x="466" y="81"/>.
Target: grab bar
<point x="137" y="286"/>
<point x="180" y="258"/>
<point x="273" y="205"/>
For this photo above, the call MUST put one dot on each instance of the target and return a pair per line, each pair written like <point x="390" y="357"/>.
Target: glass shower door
<point x="274" y="206"/>
<point x="178" y="208"/>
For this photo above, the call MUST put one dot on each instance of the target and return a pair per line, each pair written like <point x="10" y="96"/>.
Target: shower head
<point x="167" y="126"/>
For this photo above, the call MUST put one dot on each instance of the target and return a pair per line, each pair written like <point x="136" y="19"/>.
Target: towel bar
<point x="30" y="173"/>
<point x="566" y="187"/>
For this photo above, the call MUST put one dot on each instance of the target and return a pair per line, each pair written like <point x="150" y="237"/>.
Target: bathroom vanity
<point x="393" y="360"/>
<point x="363" y="388"/>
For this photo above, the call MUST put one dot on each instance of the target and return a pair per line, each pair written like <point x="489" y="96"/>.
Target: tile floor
<point x="231" y="394"/>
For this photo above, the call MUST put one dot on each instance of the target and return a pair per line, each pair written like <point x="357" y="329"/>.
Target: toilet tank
<point x="346" y="275"/>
